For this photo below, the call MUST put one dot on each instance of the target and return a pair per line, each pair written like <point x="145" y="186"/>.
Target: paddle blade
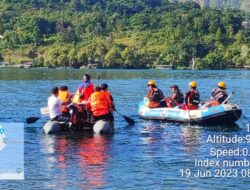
<point x="44" y="110"/>
<point x="129" y="120"/>
<point x="32" y="120"/>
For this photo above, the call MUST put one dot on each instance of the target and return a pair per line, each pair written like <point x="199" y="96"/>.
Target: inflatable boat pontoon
<point x="220" y="114"/>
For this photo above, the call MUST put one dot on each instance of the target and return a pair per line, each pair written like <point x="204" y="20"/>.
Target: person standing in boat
<point x="100" y="105"/>
<point x="219" y="94"/>
<point x="176" y="98"/>
<point x="85" y="89"/>
<point x="155" y="95"/>
<point x="192" y="98"/>
<point x="54" y="104"/>
<point x="110" y="99"/>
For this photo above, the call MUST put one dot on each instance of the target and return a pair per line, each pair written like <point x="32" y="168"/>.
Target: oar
<point x="30" y="120"/>
<point x="207" y="103"/>
<point x="128" y="119"/>
<point x="227" y="98"/>
<point x="44" y="111"/>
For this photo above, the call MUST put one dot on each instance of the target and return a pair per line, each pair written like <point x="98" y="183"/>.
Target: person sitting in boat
<point x="64" y="96"/>
<point x="155" y="95"/>
<point x="104" y="88"/>
<point x="219" y="94"/>
<point x="176" y="98"/>
<point x="54" y="104"/>
<point x="192" y="98"/>
<point x="100" y="106"/>
<point x="85" y="89"/>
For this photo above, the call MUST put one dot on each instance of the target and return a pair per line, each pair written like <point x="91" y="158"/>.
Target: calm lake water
<point x="148" y="155"/>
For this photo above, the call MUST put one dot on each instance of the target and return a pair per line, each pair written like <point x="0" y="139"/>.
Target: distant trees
<point x="2" y="29"/>
<point x="124" y="34"/>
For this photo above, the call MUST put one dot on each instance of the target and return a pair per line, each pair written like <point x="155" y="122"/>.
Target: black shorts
<point x="61" y="118"/>
<point x="108" y="117"/>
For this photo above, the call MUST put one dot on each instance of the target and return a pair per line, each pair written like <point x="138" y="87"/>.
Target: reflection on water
<point x="89" y="153"/>
<point x="93" y="154"/>
<point x="147" y="155"/>
<point x="190" y="134"/>
<point x="190" y="138"/>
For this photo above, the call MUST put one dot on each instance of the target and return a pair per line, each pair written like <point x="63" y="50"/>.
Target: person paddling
<point x="192" y="98"/>
<point x="219" y="94"/>
<point x="155" y="95"/>
<point x="110" y="99"/>
<point x="54" y="104"/>
<point x="100" y="105"/>
<point x="176" y="98"/>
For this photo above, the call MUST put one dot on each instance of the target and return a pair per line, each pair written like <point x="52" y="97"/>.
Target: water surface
<point x="148" y="155"/>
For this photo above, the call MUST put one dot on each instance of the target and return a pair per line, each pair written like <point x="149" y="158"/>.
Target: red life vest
<point x="86" y="91"/>
<point x="99" y="104"/>
<point x="193" y="100"/>
<point x="192" y="107"/>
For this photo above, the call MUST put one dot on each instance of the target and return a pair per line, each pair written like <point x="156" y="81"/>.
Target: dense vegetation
<point x="235" y="4"/>
<point x="122" y="34"/>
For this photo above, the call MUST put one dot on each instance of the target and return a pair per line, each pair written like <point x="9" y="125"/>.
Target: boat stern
<point x="221" y="114"/>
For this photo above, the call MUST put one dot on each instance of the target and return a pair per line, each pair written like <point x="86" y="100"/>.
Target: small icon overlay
<point x="11" y="151"/>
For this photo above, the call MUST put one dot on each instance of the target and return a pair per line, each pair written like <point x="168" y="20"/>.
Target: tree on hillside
<point x="2" y="29"/>
<point x="112" y="58"/>
<point x="123" y="34"/>
<point x="1" y="57"/>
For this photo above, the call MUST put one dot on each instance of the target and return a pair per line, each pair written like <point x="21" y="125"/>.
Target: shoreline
<point x="29" y="65"/>
<point x="71" y="68"/>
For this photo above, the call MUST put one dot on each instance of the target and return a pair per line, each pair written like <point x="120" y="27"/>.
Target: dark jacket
<point x="219" y="95"/>
<point x="178" y="97"/>
<point x="155" y="95"/>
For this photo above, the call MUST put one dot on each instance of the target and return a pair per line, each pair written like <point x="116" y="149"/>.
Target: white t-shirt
<point x="54" y="104"/>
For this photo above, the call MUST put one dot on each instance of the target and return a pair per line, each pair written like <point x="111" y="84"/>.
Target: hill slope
<point x="235" y="4"/>
<point x="122" y="34"/>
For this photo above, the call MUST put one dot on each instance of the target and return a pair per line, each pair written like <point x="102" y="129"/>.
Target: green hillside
<point x="234" y="4"/>
<point x="122" y="34"/>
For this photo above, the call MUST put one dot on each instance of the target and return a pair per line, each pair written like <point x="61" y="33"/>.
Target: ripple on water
<point x="146" y="155"/>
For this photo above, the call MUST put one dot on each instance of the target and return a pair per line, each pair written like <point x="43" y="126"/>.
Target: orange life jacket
<point x="214" y="103"/>
<point x="152" y="92"/>
<point x="108" y="96"/>
<point x="99" y="103"/>
<point x="153" y="104"/>
<point x="64" y="96"/>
